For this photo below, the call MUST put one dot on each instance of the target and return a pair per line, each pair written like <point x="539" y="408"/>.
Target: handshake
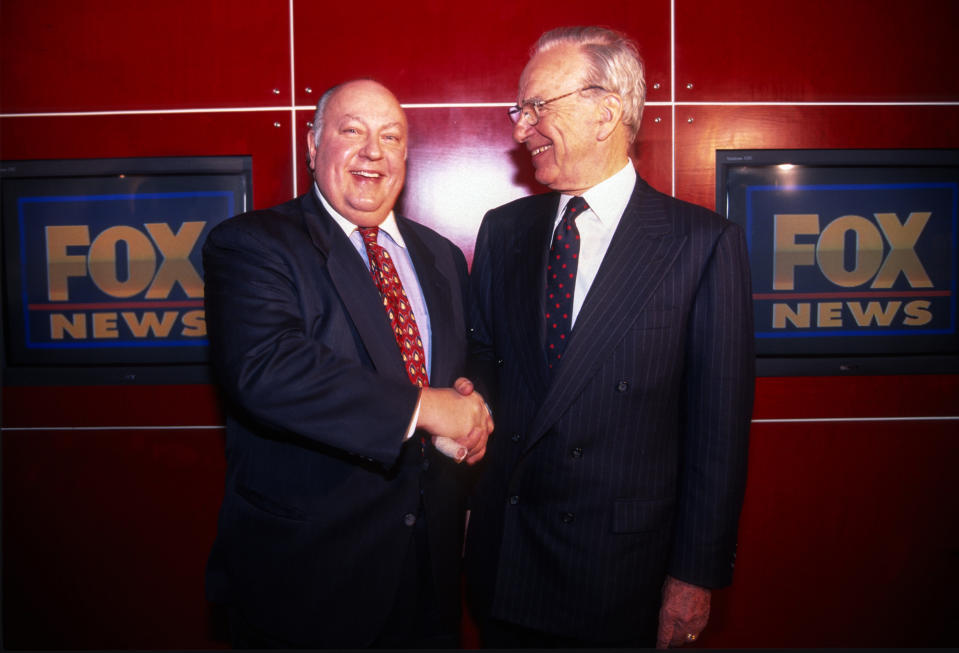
<point x="458" y="419"/>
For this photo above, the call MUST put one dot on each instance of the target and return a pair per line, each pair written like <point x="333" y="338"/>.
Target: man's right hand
<point x="459" y="414"/>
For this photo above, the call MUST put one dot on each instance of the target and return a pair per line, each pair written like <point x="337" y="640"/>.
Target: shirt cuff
<point x="416" y="416"/>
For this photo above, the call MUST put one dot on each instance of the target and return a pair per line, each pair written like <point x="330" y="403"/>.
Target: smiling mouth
<point x="539" y="150"/>
<point x="366" y="174"/>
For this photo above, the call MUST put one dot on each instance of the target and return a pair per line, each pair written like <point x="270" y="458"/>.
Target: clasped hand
<point x="458" y="420"/>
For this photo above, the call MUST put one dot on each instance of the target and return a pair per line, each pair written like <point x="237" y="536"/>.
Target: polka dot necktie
<point x="397" y="307"/>
<point x="561" y="281"/>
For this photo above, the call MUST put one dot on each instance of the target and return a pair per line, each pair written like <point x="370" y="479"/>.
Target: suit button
<point x="500" y="362"/>
<point x="409" y="519"/>
<point x="516" y="437"/>
<point x="513" y="500"/>
<point x="577" y="452"/>
<point x="568" y="517"/>
<point x="426" y="464"/>
<point x="622" y="386"/>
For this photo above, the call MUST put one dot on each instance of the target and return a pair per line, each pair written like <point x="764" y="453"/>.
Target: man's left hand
<point x="683" y="615"/>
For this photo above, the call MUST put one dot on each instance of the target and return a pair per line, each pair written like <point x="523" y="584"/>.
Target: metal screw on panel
<point x="310" y="125"/>
<point x="656" y="86"/>
<point x="277" y="124"/>
<point x="689" y="120"/>
<point x="689" y="86"/>
<point x="308" y="89"/>
<point x="276" y="91"/>
<point x="657" y="119"/>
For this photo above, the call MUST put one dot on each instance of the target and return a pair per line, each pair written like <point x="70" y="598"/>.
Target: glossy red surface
<point x="817" y="50"/>
<point x="847" y="537"/>
<point x="436" y="52"/>
<point x="196" y="134"/>
<point x="114" y="54"/>
<point x="106" y="535"/>
<point x="720" y="128"/>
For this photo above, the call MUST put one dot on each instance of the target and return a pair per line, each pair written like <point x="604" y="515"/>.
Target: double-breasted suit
<point x="321" y="491"/>
<point x="630" y="462"/>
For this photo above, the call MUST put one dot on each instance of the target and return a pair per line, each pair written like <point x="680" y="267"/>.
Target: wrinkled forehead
<point x="552" y="72"/>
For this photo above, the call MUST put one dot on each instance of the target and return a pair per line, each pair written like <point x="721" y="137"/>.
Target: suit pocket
<point x="641" y="515"/>
<point x="657" y="318"/>
<point x="266" y="504"/>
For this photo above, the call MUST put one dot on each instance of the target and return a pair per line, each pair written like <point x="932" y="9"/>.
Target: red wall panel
<point x="817" y="50"/>
<point x="105" y="537"/>
<point x="723" y="127"/>
<point x="426" y="52"/>
<point x="848" y="538"/>
<point x="189" y="134"/>
<point x="59" y="55"/>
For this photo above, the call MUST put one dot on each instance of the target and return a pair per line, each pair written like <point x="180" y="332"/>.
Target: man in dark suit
<point x="616" y="337"/>
<point x="341" y="524"/>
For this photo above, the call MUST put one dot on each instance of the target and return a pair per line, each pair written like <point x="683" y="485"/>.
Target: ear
<point x="610" y="112"/>
<point x="310" y="149"/>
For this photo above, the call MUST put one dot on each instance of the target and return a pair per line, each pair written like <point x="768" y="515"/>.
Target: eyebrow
<point x="350" y="116"/>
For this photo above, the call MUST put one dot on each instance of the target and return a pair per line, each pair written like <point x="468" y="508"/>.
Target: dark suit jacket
<point x="631" y="463"/>
<point x="320" y="488"/>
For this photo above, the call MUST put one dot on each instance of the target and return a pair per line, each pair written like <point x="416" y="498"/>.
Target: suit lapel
<point x="525" y="270"/>
<point x="355" y="287"/>
<point x="642" y="251"/>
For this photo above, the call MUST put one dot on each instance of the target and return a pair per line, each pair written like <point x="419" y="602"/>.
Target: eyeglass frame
<point x="535" y="105"/>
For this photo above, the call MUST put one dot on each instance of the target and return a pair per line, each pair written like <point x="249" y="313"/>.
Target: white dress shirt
<point x="607" y="202"/>
<point x="390" y="239"/>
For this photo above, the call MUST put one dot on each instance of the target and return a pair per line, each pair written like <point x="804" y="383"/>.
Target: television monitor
<point x="102" y="267"/>
<point x="853" y="256"/>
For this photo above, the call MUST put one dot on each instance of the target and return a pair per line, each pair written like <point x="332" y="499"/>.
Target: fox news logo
<point x="853" y="260"/>
<point x="116" y="270"/>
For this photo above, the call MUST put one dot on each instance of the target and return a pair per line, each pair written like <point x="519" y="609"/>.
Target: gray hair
<point x="613" y="63"/>
<point x="320" y="110"/>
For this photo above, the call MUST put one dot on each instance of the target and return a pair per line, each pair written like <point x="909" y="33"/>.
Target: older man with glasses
<point x="613" y="327"/>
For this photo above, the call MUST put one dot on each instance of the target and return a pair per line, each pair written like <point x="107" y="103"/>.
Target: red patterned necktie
<point x="397" y="307"/>
<point x="561" y="281"/>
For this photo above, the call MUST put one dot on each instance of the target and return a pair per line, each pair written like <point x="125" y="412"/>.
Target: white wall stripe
<point x="456" y="105"/>
<point x="672" y="96"/>
<point x="293" y="130"/>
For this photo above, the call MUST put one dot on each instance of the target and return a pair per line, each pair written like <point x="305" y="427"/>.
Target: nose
<point x="371" y="148"/>
<point x="522" y="130"/>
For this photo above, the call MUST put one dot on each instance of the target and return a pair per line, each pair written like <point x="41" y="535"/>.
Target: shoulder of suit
<point x="279" y="223"/>
<point x="429" y="235"/>
<point x="264" y="217"/>
<point x="686" y="214"/>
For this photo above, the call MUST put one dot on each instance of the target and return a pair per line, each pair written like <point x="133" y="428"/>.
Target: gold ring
<point x="690" y="637"/>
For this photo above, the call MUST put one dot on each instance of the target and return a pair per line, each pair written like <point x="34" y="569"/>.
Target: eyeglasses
<point x="530" y="108"/>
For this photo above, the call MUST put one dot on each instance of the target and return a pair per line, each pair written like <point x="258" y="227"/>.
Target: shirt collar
<point x="608" y="198"/>
<point x="388" y="225"/>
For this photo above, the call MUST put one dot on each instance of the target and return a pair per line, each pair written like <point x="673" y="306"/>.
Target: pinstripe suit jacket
<point x="631" y="463"/>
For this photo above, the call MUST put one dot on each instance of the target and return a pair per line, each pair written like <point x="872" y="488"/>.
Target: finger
<point x="472" y="439"/>
<point x="463" y="386"/>
<point x="476" y="455"/>
<point x="450" y="448"/>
